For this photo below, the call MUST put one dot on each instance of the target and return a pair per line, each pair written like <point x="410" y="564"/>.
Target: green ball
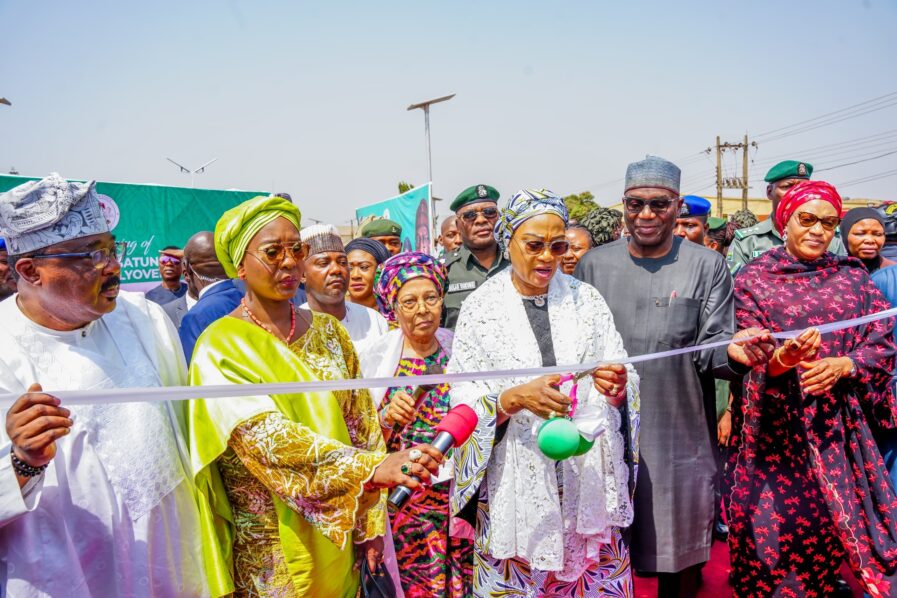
<point x="585" y="446"/>
<point x="558" y="438"/>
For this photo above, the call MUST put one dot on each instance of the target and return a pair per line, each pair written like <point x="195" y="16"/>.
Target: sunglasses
<point x="471" y="215"/>
<point x="557" y="248"/>
<point x="808" y="220"/>
<point x="100" y="258"/>
<point x="658" y="205"/>
<point x="167" y="259"/>
<point x="274" y="253"/>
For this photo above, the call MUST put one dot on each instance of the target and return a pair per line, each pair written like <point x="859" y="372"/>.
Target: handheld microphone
<point x="454" y="429"/>
<point x="420" y="392"/>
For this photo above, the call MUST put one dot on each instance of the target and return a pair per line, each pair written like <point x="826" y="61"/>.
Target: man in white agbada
<point x="93" y="498"/>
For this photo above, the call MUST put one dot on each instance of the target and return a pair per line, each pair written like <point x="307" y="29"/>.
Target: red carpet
<point x="716" y="577"/>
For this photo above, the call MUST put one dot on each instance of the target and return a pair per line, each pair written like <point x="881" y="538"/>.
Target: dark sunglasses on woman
<point x="557" y="248"/>
<point x="808" y="220"/>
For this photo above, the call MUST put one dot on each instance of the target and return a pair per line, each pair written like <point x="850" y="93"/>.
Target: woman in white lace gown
<point x="543" y="527"/>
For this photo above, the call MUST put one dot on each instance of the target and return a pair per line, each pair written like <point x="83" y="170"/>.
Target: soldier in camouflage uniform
<point x="754" y="241"/>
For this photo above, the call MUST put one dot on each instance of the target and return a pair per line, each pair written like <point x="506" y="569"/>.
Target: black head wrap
<point x="375" y="248"/>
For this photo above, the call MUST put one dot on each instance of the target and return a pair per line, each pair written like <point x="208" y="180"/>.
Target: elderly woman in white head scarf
<point x="544" y="527"/>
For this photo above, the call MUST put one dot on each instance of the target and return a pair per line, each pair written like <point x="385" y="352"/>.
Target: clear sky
<point x="310" y="98"/>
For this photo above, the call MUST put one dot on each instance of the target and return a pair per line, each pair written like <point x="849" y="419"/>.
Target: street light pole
<point x="425" y="106"/>
<point x="192" y="172"/>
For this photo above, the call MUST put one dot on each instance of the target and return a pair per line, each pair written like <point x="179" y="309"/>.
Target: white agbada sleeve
<point x="114" y="513"/>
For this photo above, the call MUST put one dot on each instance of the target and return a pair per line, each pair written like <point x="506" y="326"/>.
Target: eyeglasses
<point x="100" y="258"/>
<point x="808" y="220"/>
<point x="557" y="248"/>
<point x="274" y="253"/>
<point x="471" y="215"/>
<point x="658" y="205"/>
<point x="410" y="306"/>
<point x="167" y="259"/>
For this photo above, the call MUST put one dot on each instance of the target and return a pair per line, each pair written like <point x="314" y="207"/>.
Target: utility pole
<point x="719" y="180"/>
<point x="732" y="182"/>
<point x="744" y="173"/>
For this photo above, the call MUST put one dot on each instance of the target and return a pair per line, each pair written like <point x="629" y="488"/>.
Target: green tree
<point x="405" y="187"/>
<point x="580" y="205"/>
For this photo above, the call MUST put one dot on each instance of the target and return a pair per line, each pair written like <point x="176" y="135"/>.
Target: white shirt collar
<point x="203" y="290"/>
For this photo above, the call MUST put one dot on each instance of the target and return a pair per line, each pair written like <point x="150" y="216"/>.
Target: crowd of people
<point x="785" y="447"/>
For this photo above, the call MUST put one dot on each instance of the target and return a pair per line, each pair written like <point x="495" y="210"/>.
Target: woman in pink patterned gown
<point x="807" y="487"/>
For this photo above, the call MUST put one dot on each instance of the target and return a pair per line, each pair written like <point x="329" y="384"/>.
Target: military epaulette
<point x="741" y="233"/>
<point x="452" y="258"/>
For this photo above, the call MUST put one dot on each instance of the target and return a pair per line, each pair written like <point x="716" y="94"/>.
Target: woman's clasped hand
<point x="398" y="467"/>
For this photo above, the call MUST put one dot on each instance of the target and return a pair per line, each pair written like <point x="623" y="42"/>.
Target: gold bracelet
<point x="501" y="409"/>
<point x="777" y="356"/>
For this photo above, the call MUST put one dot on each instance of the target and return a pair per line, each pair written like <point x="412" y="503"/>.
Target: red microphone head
<point x="460" y="422"/>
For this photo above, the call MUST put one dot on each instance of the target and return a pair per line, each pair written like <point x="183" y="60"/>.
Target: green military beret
<point x="714" y="223"/>
<point x="789" y="169"/>
<point x="380" y="227"/>
<point x="473" y="195"/>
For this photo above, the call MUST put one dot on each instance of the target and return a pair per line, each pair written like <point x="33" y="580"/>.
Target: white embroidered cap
<point x="41" y="213"/>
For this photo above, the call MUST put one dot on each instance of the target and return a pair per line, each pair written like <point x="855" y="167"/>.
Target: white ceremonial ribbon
<point x="221" y="391"/>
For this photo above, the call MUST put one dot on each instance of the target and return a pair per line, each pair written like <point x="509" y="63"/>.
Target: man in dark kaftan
<point x="667" y="293"/>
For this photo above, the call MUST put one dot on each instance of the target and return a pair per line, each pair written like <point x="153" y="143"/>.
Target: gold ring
<point x="552" y="415"/>
<point x="406" y="468"/>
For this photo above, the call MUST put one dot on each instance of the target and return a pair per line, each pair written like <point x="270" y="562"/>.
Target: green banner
<point x="150" y="217"/>
<point x="410" y="210"/>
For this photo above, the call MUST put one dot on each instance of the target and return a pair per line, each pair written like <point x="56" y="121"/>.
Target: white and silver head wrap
<point x="41" y="213"/>
<point x="522" y="206"/>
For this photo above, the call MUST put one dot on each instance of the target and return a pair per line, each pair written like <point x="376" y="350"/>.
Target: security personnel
<point x="479" y="257"/>
<point x="756" y="240"/>
<point x="889" y="215"/>
<point x="386" y="231"/>
<point x="692" y="221"/>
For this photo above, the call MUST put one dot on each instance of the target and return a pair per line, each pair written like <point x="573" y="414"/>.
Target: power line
<point x="684" y="160"/>
<point x="870" y="178"/>
<point x="862" y="106"/>
<point x="827" y="123"/>
<point x="858" y="161"/>
<point x="840" y="148"/>
<point x="833" y="157"/>
<point x="823" y="120"/>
